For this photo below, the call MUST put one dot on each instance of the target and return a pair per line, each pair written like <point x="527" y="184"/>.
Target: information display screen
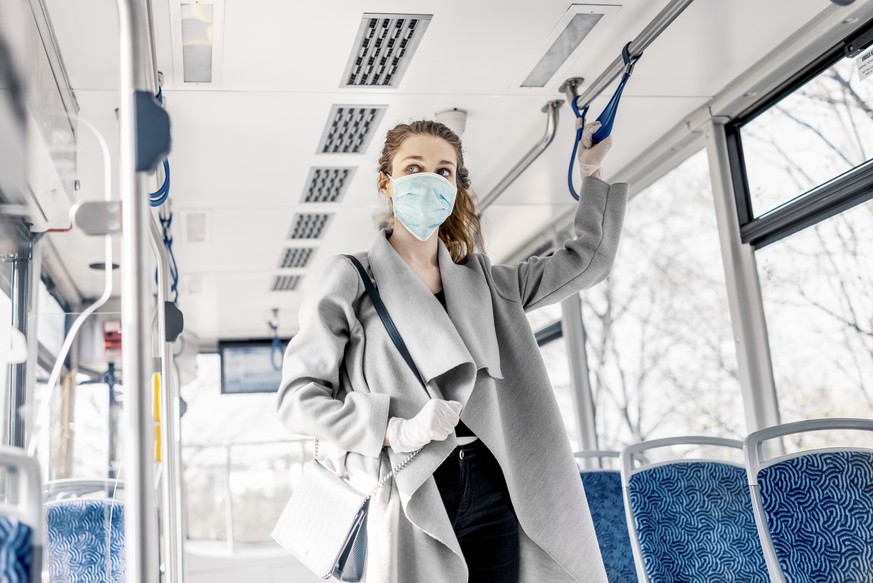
<point x="250" y="366"/>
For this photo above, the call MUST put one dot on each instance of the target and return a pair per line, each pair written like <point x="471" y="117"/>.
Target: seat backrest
<point x="691" y="520"/>
<point x="605" y="501"/>
<point x="814" y="509"/>
<point x="16" y="548"/>
<point x="21" y="532"/>
<point x="86" y="540"/>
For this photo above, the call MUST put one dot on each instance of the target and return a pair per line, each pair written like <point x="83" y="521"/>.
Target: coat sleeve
<point x="311" y="370"/>
<point x="581" y="263"/>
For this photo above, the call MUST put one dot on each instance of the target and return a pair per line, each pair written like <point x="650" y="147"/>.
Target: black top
<point x="461" y="430"/>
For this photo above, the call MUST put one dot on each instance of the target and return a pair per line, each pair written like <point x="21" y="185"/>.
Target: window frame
<point x="826" y="200"/>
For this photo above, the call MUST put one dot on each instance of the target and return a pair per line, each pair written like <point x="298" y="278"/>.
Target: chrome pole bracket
<point x="569" y="88"/>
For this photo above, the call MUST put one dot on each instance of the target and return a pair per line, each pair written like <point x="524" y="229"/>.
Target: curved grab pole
<point x="140" y="520"/>
<point x="652" y="31"/>
<point x="551" y="111"/>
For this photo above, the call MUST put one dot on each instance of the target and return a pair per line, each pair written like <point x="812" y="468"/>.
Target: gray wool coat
<point x="343" y="378"/>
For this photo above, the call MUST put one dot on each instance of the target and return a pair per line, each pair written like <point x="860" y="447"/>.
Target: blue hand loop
<point x="158" y="197"/>
<point x="276" y="348"/>
<point x="607" y="118"/>
<point x="580" y="116"/>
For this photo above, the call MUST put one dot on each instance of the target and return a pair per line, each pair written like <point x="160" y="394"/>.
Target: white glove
<point x="591" y="157"/>
<point x="435" y="421"/>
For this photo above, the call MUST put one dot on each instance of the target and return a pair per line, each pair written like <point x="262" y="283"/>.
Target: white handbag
<point x="332" y="513"/>
<point x="324" y="523"/>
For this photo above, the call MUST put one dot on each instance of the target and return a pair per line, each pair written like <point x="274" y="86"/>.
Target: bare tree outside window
<point x="818" y="284"/>
<point x="660" y="347"/>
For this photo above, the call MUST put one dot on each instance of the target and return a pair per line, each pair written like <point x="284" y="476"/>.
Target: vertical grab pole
<point x="580" y="379"/>
<point x="139" y="520"/>
<point x="170" y="482"/>
<point x="173" y="548"/>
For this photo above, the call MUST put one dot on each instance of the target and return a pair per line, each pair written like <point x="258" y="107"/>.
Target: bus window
<point x="817" y="287"/>
<point x="816" y="133"/>
<point x="240" y="463"/>
<point x="553" y="349"/>
<point x="660" y="347"/>
<point x="6" y="314"/>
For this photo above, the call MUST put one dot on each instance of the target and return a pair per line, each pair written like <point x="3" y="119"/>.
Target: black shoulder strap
<point x="386" y="319"/>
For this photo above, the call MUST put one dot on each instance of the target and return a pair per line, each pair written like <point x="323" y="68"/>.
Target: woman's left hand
<point x="591" y="156"/>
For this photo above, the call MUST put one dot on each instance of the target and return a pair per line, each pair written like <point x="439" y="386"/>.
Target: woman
<point x="494" y="495"/>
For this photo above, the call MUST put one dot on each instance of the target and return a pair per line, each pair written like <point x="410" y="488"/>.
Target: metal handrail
<point x="551" y="109"/>
<point x="637" y="46"/>
<point x="171" y="485"/>
<point x="228" y="447"/>
<point x="139" y="524"/>
<point x="171" y="478"/>
<point x="652" y="31"/>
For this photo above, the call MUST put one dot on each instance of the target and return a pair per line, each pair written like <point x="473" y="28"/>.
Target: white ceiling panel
<point x="243" y="148"/>
<point x="503" y="225"/>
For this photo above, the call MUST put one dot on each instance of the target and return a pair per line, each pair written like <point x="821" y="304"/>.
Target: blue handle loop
<point x="167" y="222"/>
<point x="606" y="118"/>
<point x="277" y="351"/>
<point x="580" y="125"/>
<point x="159" y="197"/>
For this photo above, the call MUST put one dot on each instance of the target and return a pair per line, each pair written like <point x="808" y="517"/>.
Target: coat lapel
<point x="427" y="331"/>
<point x="438" y="339"/>
<point x="468" y="300"/>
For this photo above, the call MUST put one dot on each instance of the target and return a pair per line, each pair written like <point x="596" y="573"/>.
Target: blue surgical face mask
<point x="422" y="202"/>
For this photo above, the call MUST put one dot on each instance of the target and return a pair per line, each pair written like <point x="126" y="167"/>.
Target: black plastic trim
<point x="550" y="333"/>
<point x="837" y="195"/>
<point x="840" y="194"/>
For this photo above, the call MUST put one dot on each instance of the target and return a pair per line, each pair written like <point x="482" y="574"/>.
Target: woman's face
<point x="423" y="154"/>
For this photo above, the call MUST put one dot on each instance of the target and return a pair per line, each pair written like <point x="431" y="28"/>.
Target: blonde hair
<point x="462" y="230"/>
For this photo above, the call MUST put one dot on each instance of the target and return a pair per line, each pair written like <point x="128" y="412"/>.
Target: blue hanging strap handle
<point x="159" y="197"/>
<point x="166" y="223"/>
<point x="580" y="125"/>
<point x="606" y="118"/>
<point x="277" y="351"/>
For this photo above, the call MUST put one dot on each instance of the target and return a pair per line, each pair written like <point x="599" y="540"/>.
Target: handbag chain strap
<point x="387" y="476"/>
<point x="404" y="352"/>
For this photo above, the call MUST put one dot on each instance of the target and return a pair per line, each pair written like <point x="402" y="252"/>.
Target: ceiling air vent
<point x="309" y="225"/>
<point x="284" y="283"/>
<point x="295" y="257"/>
<point x="327" y="184"/>
<point x="349" y="128"/>
<point x="383" y="48"/>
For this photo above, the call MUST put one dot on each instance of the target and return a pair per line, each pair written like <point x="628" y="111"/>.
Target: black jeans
<point x="477" y="502"/>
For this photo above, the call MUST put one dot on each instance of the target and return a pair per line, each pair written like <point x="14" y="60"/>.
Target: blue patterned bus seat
<point x="16" y="550"/>
<point x="603" y="490"/>
<point x="819" y="510"/>
<point x="79" y="548"/>
<point x="695" y="523"/>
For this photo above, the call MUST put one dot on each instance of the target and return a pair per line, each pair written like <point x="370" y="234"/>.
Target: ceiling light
<point x="576" y="24"/>
<point x="197" y="29"/>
